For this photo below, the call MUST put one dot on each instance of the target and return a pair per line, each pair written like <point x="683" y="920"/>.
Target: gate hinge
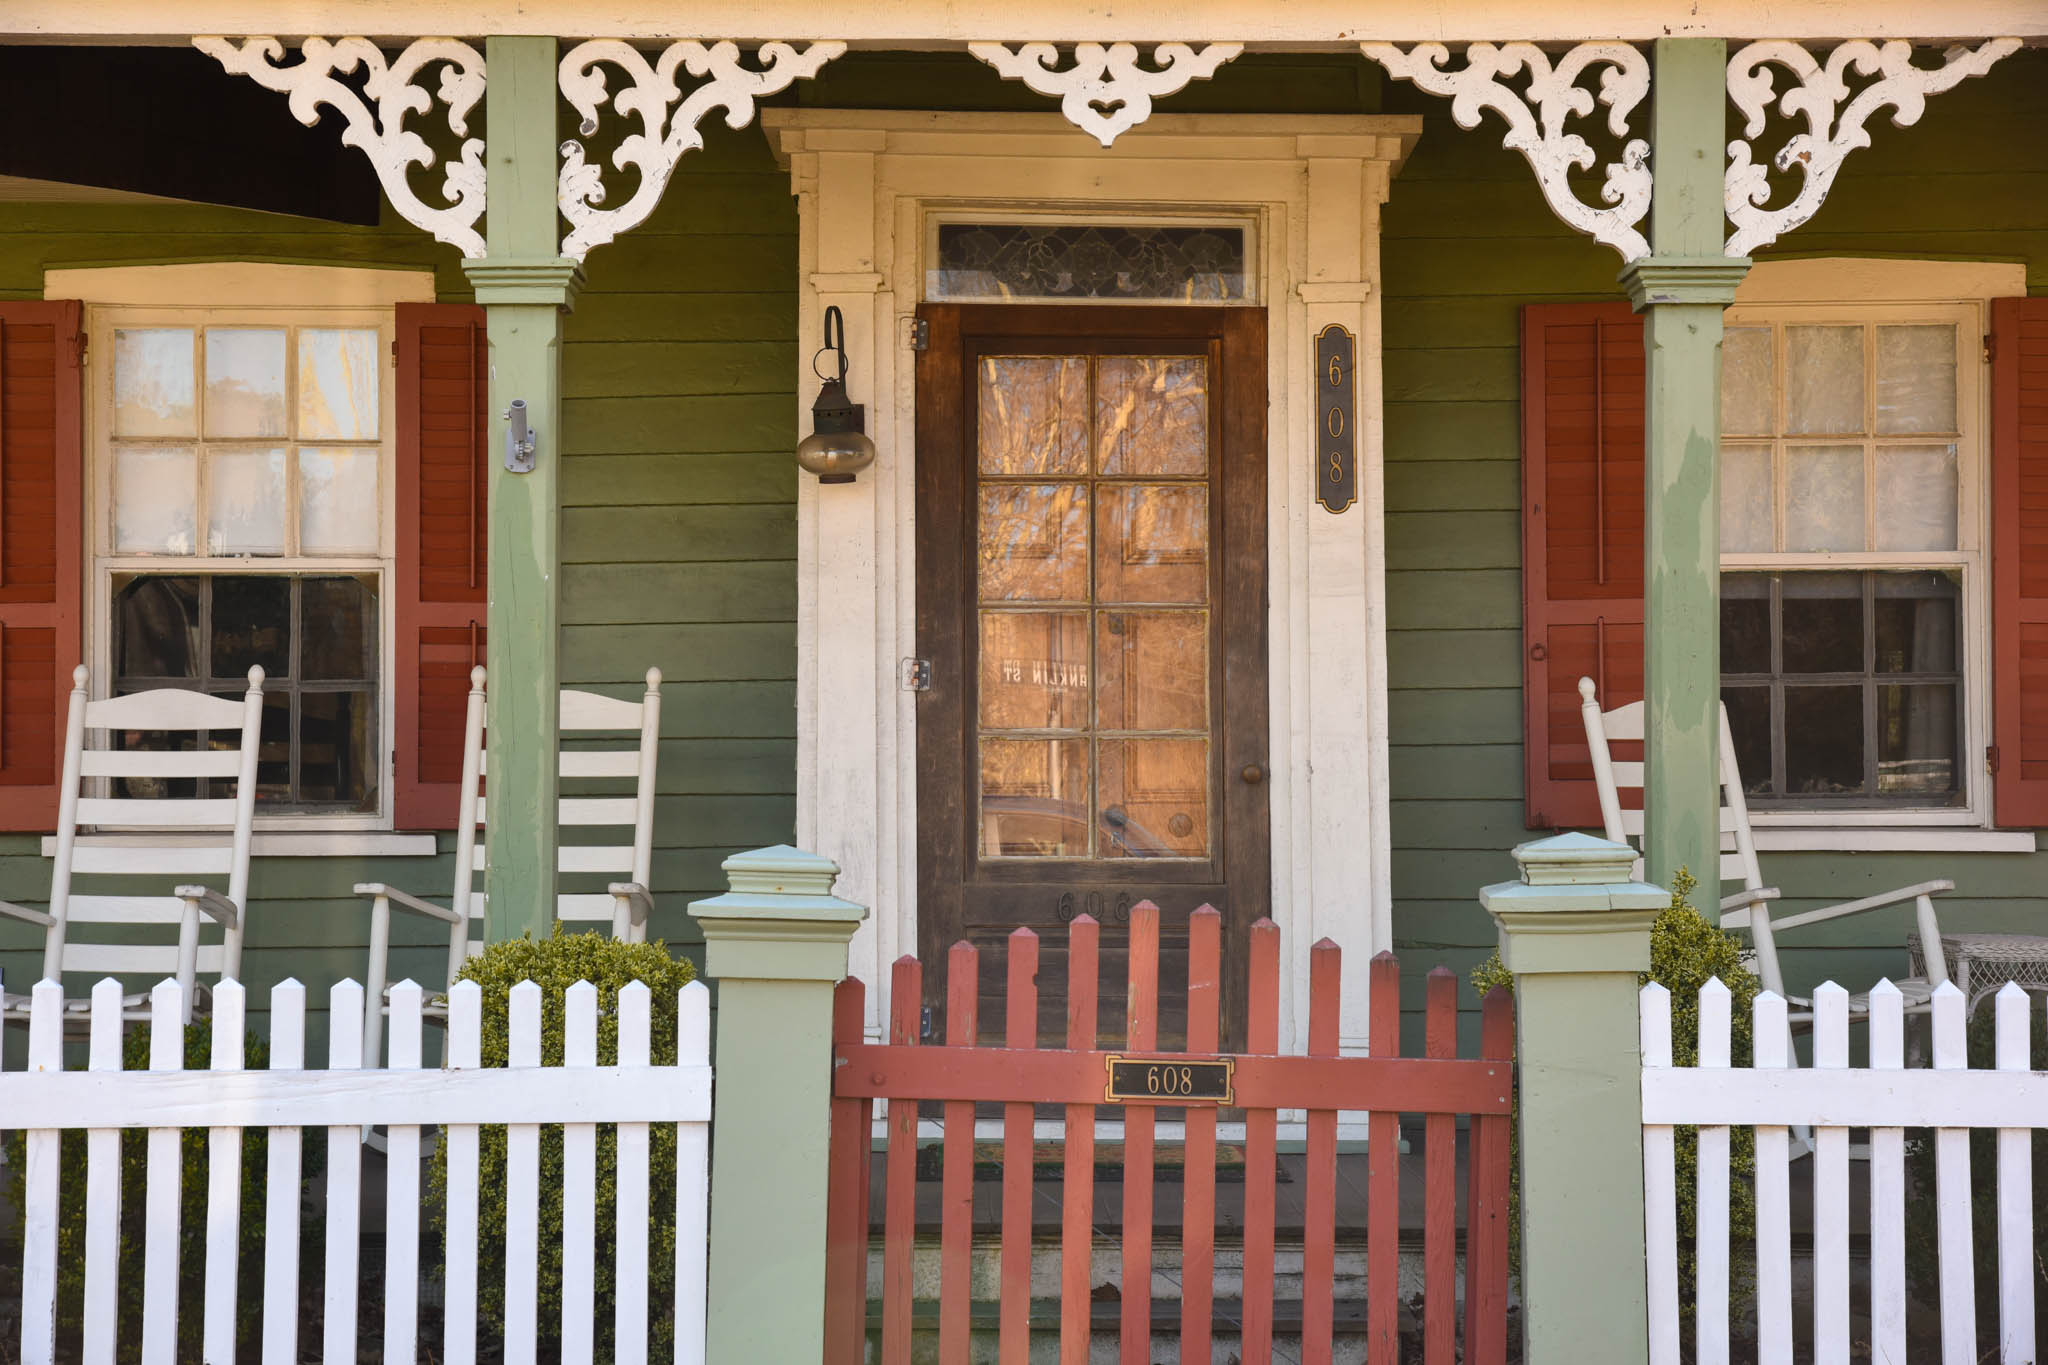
<point x="1991" y="759"/>
<point x="918" y="334"/>
<point x="924" y="1023"/>
<point x="917" y="675"/>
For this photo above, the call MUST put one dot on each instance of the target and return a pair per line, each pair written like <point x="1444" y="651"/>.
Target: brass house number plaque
<point x="1168" y="1080"/>
<point x="1336" y="413"/>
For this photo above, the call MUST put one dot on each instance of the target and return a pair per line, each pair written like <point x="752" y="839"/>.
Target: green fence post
<point x="776" y="946"/>
<point x="1575" y="931"/>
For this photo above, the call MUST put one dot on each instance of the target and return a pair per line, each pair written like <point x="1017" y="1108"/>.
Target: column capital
<point x="780" y="921"/>
<point x="1575" y="908"/>
<point x="1683" y="279"/>
<point x="543" y="280"/>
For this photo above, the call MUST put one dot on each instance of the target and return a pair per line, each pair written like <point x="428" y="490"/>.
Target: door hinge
<point x="917" y="675"/>
<point x="917" y="335"/>
<point x="1991" y="759"/>
<point x="1990" y="347"/>
<point x="79" y="345"/>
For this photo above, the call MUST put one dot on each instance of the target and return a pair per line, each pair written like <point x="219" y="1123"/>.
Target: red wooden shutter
<point x="1582" y="541"/>
<point x="42" y="530"/>
<point x="439" y="598"/>
<point x="2019" y="562"/>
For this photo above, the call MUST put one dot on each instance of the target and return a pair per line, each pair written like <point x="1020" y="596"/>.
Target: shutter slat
<point x="443" y="397"/>
<point x="1582" y="541"/>
<point x="2019" y="561"/>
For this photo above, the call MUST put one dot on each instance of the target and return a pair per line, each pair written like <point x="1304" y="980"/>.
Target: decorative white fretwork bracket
<point x="1105" y="92"/>
<point x="663" y="137"/>
<point x="1536" y="121"/>
<point x="375" y="119"/>
<point x="1820" y="150"/>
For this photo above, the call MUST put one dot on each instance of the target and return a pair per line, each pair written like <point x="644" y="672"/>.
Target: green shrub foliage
<point x="554" y="964"/>
<point x="1685" y="953"/>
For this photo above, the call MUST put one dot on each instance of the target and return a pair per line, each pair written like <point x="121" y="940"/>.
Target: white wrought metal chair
<point x="624" y="905"/>
<point x="147" y="867"/>
<point x="1749" y="907"/>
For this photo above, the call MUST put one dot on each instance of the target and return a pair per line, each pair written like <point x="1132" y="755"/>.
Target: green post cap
<point x="1574" y="860"/>
<point x="1575" y="907"/>
<point x="779" y="883"/>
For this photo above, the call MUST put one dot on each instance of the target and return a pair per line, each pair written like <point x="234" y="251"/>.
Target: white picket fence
<point x="346" y="1099"/>
<point x="1830" y="1098"/>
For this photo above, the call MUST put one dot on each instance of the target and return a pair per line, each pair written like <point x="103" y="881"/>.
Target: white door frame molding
<point x="867" y="183"/>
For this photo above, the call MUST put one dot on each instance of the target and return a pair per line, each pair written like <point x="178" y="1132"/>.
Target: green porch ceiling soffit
<point x="1681" y="289"/>
<point x="525" y="285"/>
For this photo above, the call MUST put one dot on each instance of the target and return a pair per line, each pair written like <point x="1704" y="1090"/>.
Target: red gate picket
<point x="1259" y="1081"/>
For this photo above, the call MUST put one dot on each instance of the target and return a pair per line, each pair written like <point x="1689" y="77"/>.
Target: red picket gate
<point x="1440" y="1086"/>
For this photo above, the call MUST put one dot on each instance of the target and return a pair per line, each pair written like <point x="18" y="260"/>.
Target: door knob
<point x="1253" y="774"/>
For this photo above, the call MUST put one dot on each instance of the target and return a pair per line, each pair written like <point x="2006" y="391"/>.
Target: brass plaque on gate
<point x="1168" y="1080"/>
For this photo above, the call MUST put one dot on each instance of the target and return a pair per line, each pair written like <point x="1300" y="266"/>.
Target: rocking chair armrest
<point x="22" y="912"/>
<point x="379" y="891"/>
<point x="1735" y="908"/>
<point x="1857" y="907"/>
<point x="637" y="895"/>
<point x="212" y="903"/>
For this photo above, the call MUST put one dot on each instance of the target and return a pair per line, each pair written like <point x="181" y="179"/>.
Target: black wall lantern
<point x="838" y="446"/>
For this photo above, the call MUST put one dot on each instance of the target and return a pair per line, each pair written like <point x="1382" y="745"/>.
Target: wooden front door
<point x="1091" y="597"/>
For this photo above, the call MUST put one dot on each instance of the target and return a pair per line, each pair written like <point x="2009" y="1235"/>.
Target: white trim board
<point x="311" y="844"/>
<point x="867" y="184"/>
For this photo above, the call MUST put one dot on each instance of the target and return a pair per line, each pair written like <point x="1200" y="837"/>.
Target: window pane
<point x="1823" y="622"/>
<point x="156" y="628"/>
<point x="1152" y="543"/>
<point x="1746" y="499"/>
<point x="1824" y="740"/>
<point x="337" y="747"/>
<point x="245" y="502"/>
<point x="153" y="741"/>
<point x="153" y="382"/>
<point x="1916" y="498"/>
<point x="244" y="381"/>
<point x="1034" y="798"/>
<point x="338" y="630"/>
<point x="1748" y="386"/>
<point x="1916" y="379"/>
<point x="1155" y="798"/>
<point x="1916" y="623"/>
<point x="1034" y="670"/>
<point x="1034" y="542"/>
<point x="1745" y="623"/>
<point x="1033" y="414"/>
<point x="1823" y="380"/>
<point x="1087" y="261"/>
<point x="1154" y="670"/>
<point x="337" y="384"/>
<point x="1824" y="498"/>
<point x="251" y="626"/>
<point x="1749" y="725"/>
<point x="1152" y="415"/>
<point x="1916" y="740"/>
<point x="156" y="500"/>
<point x="337" y="500"/>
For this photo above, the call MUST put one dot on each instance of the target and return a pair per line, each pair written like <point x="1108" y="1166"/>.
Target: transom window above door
<point x="1058" y="261"/>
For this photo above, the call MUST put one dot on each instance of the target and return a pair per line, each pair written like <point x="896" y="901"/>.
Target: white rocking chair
<point x="147" y="866"/>
<point x="623" y="905"/>
<point x="1749" y="907"/>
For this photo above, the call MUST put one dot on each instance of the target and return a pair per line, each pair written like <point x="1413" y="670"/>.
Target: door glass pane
<point x="244" y="381"/>
<point x="1916" y="739"/>
<point x="1153" y="543"/>
<point x="337" y="500"/>
<point x="1034" y="798"/>
<point x="245" y="502"/>
<point x="1916" y="379"/>
<point x="1155" y="670"/>
<point x="337" y="384"/>
<point x="156" y="500"/>
<point x="1824" y="498"/>
<point x="153" y="382"/>
<point x="252" y="625"/>
<point x="1916" y="498"/>
<point x="1152" y="415"/>
<point x="1033" y="414"/>
<point x="1034" y="542"/>
<point x="1823" y="622"/>
<point x="1824" y="740"/>
<point x="1155" y="798"/>
<point x="1746" y="499"/>
<point x="1034" y="670"/>
<point x="1823" y="380"/>
<point x="1747" y="392"/>
<point x="1916" y="623"/>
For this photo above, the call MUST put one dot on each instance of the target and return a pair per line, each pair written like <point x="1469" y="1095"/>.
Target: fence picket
<point x="1077" y="1185"/>
<point x="1660" y="1186"/>
<point x="899" y="1213"/>
<point x="579" y="1184"/>
<point x="1710" y="1205"/>
<point x="2015" y="1193"/>
<point x="693" y="1177"/>
<point x="522" y="1189"/>
<point x="1770" y="1043"/>
<point x="630" y="1210"/>
<point x="39" y="1185"/>
<point x="1489" y="1223"/>
<point x="102" y="1194"/>
<point x="344" y="1182"/>
<point x="224" y="1186"/>
<point x="1887" y="1189"/>
<point x="1440" y="1183"/>
<point x="162" y="1175"/>
<point x="1952" y="1193"/>
<point x="1319" y="1214"/>
<point x="956" y="1176"/>
<point x="402" y="1189"/>
<point x="1139" y="1121"/>
<point x="846" y="1224"/>
<point x="1261" y="1160"/>
<point x="1013" y="1328"/>
<point x="460" y="1143"/>
<point x="281" y="1188"/>
<point x="1383" y="1177"/>
<point x="1830" y="1188"/>
<point x="1198" y="1161"/>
